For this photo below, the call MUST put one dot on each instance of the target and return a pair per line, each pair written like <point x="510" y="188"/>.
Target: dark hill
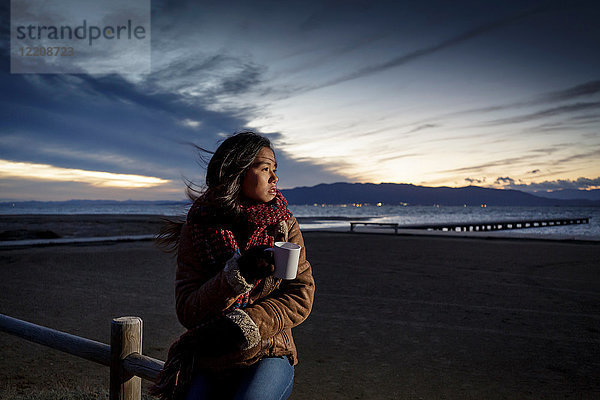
<point x="571" y="194"/>
<point x="394" y="193"/>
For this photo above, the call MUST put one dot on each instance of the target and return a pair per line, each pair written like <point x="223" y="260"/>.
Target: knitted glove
<point x="212" y="338"/>
<point x="220" y="336"/>
<point x="216" y="337"/>
<point x="256" y="263"/>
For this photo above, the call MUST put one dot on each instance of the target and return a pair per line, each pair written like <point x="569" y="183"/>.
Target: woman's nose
<point x="274" y="178"/>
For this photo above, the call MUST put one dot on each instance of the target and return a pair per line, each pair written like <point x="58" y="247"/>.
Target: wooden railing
<point x="124" y="355"/>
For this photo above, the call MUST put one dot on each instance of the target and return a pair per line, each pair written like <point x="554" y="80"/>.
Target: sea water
<point x="410" y="215"/>
<point x="338" y="216"/>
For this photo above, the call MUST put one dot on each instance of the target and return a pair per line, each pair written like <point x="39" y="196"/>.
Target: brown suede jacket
<point x="275" y="307"/>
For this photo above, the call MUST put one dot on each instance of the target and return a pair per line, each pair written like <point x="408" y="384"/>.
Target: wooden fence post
<point x="125" y="339"/>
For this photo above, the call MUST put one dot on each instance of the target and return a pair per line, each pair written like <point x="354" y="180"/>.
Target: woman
<point x="239" y="317"/>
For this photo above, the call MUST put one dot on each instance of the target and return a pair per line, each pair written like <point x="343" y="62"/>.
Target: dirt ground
<point x="394" y="317"/>
<point x="20" y="227"/>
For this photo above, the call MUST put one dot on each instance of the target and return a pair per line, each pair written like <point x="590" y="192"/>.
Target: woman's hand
<point x="229" y="333"/>
<point x="220" y="336"/>
<point x="256" y="263"/>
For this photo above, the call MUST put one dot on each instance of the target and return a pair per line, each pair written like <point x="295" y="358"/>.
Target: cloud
<point x="44" y="172"/>
<point x="558" y="164"/>
<point x="593" y="154"/>
<point x="580" y="183"/>
<point x="585" y="89"/>
<point x="294" y="172"/>
<point x="588" y="118"/>
<point x="19" y="189"/>
<point x="492" y="164"/>
<point x="415" y="55"/>
<point x="77" y="155"/>
<point x="423" y="127"/>
<point x="473" y="180"/>
<point x="551" y="112"/>
<point x="105" y="115"/>
<point x="108" y="124"/>
<point x="397" y="156"/>
<point x="506" y="180"/>
<point x="202" y="78"/>
<point x="190" y="123"/>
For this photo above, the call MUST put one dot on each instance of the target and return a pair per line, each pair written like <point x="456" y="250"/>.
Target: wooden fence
<point x="124" y="355"/>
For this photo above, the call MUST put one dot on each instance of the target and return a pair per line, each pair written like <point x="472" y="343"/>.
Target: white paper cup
<point x="287" y="256"/>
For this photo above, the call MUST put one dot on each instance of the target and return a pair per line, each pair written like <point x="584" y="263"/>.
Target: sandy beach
<point x="395" y="317"/>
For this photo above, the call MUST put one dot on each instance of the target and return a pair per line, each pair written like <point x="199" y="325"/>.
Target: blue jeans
<point x="269" y="379"/>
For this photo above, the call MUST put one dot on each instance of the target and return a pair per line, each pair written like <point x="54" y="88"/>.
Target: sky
<point x="435" y="93"/>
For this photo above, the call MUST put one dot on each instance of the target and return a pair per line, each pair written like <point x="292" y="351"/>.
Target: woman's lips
<point x="273" y="191"/>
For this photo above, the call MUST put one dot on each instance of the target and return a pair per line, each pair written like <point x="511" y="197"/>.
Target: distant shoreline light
<point x="46" y="172"/>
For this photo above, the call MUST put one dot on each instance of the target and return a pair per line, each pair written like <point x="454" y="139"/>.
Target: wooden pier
<point x="479" y="226"/>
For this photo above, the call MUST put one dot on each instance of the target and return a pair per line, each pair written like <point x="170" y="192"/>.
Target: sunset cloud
<point x="44" y="172"/>
<point x="559" y="184"/>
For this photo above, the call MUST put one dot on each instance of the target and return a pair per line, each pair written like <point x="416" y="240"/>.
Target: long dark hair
<point x="227" y="167"/>
<point x="224" y="175"/>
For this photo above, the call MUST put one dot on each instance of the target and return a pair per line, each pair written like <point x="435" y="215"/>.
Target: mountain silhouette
<point x="397" y="193"/>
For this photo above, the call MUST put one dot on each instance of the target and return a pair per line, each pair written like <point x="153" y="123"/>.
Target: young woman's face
<point x="260" y="181"/>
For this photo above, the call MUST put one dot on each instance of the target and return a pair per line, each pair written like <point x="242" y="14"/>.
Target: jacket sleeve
<point x="200" y="289"/>
<point x="291" y="304"/>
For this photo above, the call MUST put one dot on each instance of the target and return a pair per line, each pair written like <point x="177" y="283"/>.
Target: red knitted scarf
<point x="214" y="233"/>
